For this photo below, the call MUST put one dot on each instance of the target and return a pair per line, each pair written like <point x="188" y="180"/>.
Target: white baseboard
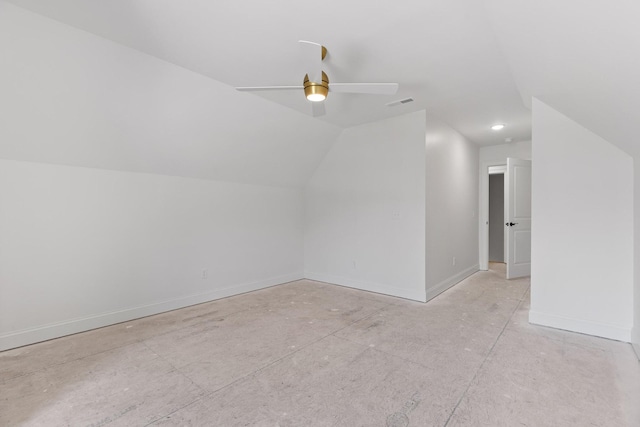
<point x="439" y="288"/>
<point x="614" y="332"/>
<point x="55" y="330"/>
<point x="416" y="295"/>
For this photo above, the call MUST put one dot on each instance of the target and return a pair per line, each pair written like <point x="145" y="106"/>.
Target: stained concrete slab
<point x="534" y="380"/>
<point x="310" y="353"/>
<point x="218" y="352"/>
<point x="24" y="360"/>
<point x="128" y="386"/>
<point x="333" y="382"/>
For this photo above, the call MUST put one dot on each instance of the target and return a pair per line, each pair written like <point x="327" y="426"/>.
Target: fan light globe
<point x="316" y="97"/>
<point x="316" y="92"/>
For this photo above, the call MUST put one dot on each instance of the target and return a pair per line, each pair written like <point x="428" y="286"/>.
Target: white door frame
<point x="483" y="218"/>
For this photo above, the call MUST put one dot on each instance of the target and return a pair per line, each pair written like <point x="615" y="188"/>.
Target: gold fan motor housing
<point x="313" y="88"/>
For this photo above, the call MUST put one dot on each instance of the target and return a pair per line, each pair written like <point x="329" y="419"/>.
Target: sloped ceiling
<point x="443" y="53"/>
<point x="470" y="63"/>
<point x="70" y="97"/>
<point x="580" y="57"/>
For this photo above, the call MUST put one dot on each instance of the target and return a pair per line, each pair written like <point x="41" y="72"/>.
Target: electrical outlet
<point x="453" y="262"/>
<point x="205" y="273"/>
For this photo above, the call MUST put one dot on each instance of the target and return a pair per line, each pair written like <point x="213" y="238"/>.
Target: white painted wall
<point x="365" y="209"/>
<point x="497" y="154"/>
<point x="451" y="207"/>
<point x="82" y="248"/>
<point x="582" y="235"/>
<point x="70" y="97"/>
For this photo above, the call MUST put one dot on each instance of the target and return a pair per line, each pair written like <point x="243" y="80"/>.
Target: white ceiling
<point x="443" y="53"/>
<point x="580" y="57"/>
<point x="73" y="98"/>
<point x="469" y="62"/>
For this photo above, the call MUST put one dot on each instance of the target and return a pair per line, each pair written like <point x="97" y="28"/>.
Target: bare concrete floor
<point x="312" y="354"/>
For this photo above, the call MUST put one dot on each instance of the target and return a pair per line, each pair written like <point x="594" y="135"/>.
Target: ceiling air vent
<point x="402" y="101"/>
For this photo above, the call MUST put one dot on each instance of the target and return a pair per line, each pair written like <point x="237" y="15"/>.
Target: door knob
<point x="511" y="224"/>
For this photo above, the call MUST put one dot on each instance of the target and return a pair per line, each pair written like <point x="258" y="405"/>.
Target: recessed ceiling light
<point x="497" y="127"/>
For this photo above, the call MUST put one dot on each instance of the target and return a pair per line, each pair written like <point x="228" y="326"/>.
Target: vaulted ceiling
<point x="580" y="57"/>
<point x="470" y="63"/>
<point x="443" y="53"/>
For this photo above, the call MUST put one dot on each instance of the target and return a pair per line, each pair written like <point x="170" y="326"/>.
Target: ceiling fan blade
<point x="312" y="57"/>
<point x="317" y="109"/>
<point x="371" y="88"/>
<point x="259" y="88"/>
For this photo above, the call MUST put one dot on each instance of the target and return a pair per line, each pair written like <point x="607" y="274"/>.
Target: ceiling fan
<point x="316" y="84"/>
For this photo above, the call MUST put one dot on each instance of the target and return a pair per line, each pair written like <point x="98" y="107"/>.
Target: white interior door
<point x="518" y="217"/>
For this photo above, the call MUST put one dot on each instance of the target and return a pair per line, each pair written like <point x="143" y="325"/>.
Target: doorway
<point x="496" y="217"/>
<point x="506" y="238"/>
